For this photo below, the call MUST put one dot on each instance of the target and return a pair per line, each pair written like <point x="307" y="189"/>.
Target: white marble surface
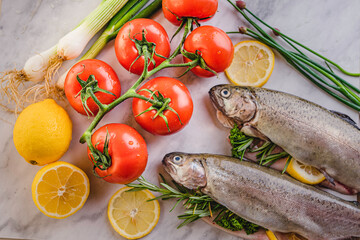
<point x="28" y="27"/>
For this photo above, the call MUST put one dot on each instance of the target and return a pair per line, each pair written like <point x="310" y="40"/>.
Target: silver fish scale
<point x="310" y="133"/>
<point x="277" y="201"/>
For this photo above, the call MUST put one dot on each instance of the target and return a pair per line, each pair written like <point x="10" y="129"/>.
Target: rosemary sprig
<point x="197" y="205"/>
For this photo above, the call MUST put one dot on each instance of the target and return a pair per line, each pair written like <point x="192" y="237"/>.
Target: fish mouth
<point x="216" y="99"/>
<point x="168" y="166"/>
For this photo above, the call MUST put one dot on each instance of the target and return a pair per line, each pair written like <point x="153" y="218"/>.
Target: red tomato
<point x="199" y="9"/>
<point x="125" y="48"/>
<point x="215" y="48"/>
<point x="105" y="76"/>
<point x="127" y="150"/>
<point x="181" y="102"/>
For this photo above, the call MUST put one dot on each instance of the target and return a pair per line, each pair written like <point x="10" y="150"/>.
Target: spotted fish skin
<point x="266" y="197"/>
<point x="308" y="132"/>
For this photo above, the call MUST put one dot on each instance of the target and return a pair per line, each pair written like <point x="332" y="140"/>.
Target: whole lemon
<point x="42" y="132"/>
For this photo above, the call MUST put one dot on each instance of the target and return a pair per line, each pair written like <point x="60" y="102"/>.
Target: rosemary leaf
<point x="197" y="204"/>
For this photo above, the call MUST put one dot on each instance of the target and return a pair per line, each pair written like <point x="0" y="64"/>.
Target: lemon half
<point x="60" y="189"/>
<point x="252" y="65"/>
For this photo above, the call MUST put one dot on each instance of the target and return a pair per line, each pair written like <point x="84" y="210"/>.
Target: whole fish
<point x="308" y="132"/>
<point x="266" y="197"/>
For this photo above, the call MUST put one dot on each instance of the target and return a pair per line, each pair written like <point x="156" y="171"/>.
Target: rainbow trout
<point x="308" y="132"/>
<point x="266" y="197"/>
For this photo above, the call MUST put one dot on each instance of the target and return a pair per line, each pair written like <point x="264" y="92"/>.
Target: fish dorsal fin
<point x="346" y="118"/>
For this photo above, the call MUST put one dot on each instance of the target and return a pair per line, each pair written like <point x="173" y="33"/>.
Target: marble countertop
<point x="28" y="27"/>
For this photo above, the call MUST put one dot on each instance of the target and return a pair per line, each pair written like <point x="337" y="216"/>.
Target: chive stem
<point x="251" y="22"/>
<point x="301" y="62"/>
<point x="303" y="46"/>
<point x="312" y="70"/>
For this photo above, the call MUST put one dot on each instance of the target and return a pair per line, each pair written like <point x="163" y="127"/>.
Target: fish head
<point x="185" y="169"/>
<point x="234" y="104"/>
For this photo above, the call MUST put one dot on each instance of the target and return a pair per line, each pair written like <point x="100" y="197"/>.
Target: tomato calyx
<point x="185" y="19"/>
<point x="200" y="61"/>
<point x="101" y="160"/>
<point x="159" y="104"/>
<point x="145" y="48"/>
<point x="88" y="90"/>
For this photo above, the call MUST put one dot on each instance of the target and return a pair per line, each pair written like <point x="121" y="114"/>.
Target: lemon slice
<point x="270" y="235"/>
<point x="252" y="65"/>
<point x="131" y="215"/>
<point x="60" y="189"/>
<point x="304" y="173"/>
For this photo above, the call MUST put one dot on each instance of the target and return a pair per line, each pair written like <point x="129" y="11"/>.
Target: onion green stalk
<point x="73" y="43"/>
<point x="43" y="66"/>
<point x="321" y="76"/>
<point x="128" y="12"/>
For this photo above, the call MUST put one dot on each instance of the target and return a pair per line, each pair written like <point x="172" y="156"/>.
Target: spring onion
<point x="128" y="12"/>
<point x="44" y="65"/>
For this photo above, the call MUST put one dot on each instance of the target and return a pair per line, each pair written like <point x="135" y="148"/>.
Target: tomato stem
<point x="159" y="105"/>
<point x="186" y="32"/>
<point x="96" y="100"/>
<point x="88" y="89"/>
<point x="147" y="49"/>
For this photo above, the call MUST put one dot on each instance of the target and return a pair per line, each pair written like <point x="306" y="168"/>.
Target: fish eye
<point x="225" y="93"/>
<point x="177" y="159"/>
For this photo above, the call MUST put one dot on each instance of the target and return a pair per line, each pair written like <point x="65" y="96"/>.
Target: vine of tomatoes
<point x="161" y="106"/>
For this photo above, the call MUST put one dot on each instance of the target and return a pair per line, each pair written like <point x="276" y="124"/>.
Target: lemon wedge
<point x="270" y="235"/>
<point x="60" y="189"/>
<point x="304" y="173"/>
<point x="252" y="65"/>
<point x="131" y="214"/>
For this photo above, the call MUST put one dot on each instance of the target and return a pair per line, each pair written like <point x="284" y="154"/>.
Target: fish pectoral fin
<point x="249" y="130"/>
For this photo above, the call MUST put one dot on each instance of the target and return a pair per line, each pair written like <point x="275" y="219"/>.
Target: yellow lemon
<point x="270" y="235"/>
<point x="131" y="214"/>
<point x="60" y="189"/>
<point x="42" y="132"/>
<point x="304" y="173"/>
<point x="252" y="65"/>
